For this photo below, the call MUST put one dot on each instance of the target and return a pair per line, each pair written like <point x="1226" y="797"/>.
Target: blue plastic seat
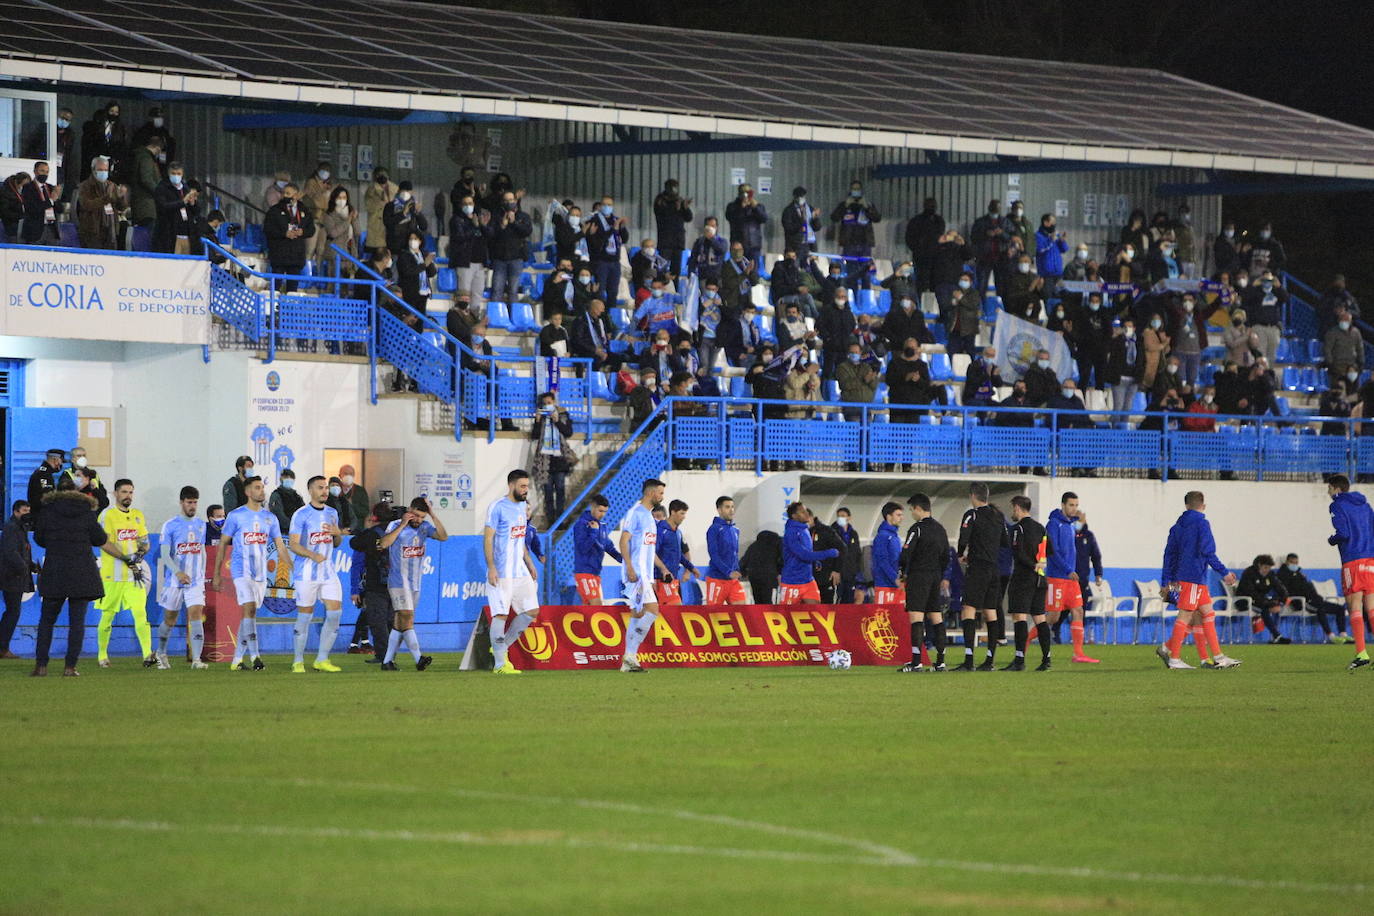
<point x="991" y="306"/>
<point x="1284" y="352"/>
<point x="601" y="387"/>
<point x="1292" y="378"/>
<point x="880" y="395"/>
<point x="498" y="315"/>
<point x="737" y="388"/>
<point x="620" y="346"/>
<point x="884" y="300"/>
<point x="831" y="390"/>
<point x="1281" y="406"/>
<point x="522" y="317"/>
<point x="1208" y="374"/>
<point x="938" y="330"/>
<point x="447" y="281"/>
<point x="621" y="318"/>
<point x="940" y="368"/>
<point x="1139" y="402"/>
<point x="867" y="303"/>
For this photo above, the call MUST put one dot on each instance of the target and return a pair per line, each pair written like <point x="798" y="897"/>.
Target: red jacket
<point x="1199" y="424"/>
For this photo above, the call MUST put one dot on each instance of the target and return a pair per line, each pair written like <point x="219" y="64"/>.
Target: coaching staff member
<point x="982" y="534"/>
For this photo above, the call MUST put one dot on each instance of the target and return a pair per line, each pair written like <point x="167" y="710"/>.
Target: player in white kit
<point x="183" y="580"/>
<point x="404" y="541"/>
<point x="315" y="532"/>
<point x="510" y="570"/>
<point x="638" y="545"/>
<point x="243" y="547"/>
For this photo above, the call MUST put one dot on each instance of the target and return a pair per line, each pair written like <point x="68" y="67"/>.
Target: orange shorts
<point x="889" y="595"/>
<point x="1062" y="595"/>
<point x="668" y="592"/>
<point x="1194" y="597"/>
<point x="796" y="594"/>
<point x="588" y="587"/>
<point x="1357" y="577"/>
<point x="724" y="591"/>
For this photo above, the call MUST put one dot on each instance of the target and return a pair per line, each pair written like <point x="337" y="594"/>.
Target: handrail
<point x="232" y="196"/>
<point x="1289" y="280"/>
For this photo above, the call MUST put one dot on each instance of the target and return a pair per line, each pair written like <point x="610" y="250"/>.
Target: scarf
<point x="551" y="440"/>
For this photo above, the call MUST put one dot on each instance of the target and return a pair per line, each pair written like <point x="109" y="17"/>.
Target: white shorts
<point x="516" y="595"/>
<point x="250" y="591"/>
<point x="307" y="593"/>
<point x="173" y="596"/>
<point x="640" y="592"/>
<point x="403" y="599"/>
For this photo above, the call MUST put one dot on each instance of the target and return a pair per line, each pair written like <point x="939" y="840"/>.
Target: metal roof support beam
<point x="717" y="145"/>
<point x="1000" y="166"/>
<point x="285" y="120"/>
<point x="1222" y="187"/>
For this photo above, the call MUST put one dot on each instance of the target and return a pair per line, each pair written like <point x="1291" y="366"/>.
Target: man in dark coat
<point x="672" y="215"/>
<point x="178" y="210"/>
<point x="287" y="227"/>
<point x="747" y="217"/>
<point x="67" y="529"/>
<point x="16" y="572"/>
<point x="44" y="480"/>
<point x="42" y="204"/>
<point x="923" y="234"/>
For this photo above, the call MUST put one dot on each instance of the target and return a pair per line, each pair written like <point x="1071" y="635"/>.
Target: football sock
<point x="498" y="641"/>
<point x="1200" y="641"/>
<point x="517" y="626"/>
<point x="1181" y="629"/>
<point x="1076" y="633"/>
<point x="918" y="638"/>
<point x="635" y="632"/>
<point x="1022" y="631"/>
<point x="393" y="642"/>
<point x="646" y="626"/>
<point x="143" y="631"/>
<point x="939" y="639"/>
<point x="328" y="633"/>
<point x="412" y="643"/>
<point x="301" y="632"/>
<point x="248" y="635"/>
<point x="1356" y="630"/>
<point x="196" y="629"/>
<point x="994" y="637"/>
<point x="970" y="636"/>
<point x="1042" y="630"/>
<point x="1001" y="625"/>
<point x="1209" y="628"/>
<point x="164" y="630"/>
<point x="102" y="633"/>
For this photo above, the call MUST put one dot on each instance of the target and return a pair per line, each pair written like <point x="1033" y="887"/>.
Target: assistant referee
<point x="982" y="533"/>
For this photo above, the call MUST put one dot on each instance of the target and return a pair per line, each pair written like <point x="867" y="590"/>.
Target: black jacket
<point x="582" y="340"/>
<point x="408" y="271"/>
<point x="16" y="559"/>
<point x="794" y="224"/>
<point x="67" y="530"/>
<point x="375" y="562"/>
<point x="344" y="507"/>
<point x="512" y="242"/>
<point x="171" y="204"/>
<point x="401" y="218"/>
<point x="923" y="233"/>
<point x="1297" y="585"/>
<point x="898" y="326"/>
<point x="835" y="327"/>
<point x="852" y="554"/>
<point x="1118" y="364"/>
<point x="671" y="216"/>
<point x="42" y="481"/>
<point x="287" y="255"/>
<point x="1041" y="385"/>
<point x="466" y="242"/>
<point x="982" y="535"/>
<point x="762" y="563"/>
<point x="827" y="538"/>
<point x="950" y="258"/>
<point x="925" y="552"/>
<point x="1026" y="537"/>
<point x="38" y="199"/>
<point x="1261" y="590"/>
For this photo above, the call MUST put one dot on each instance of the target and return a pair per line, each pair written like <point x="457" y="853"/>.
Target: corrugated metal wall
<point x="533" y="152"/>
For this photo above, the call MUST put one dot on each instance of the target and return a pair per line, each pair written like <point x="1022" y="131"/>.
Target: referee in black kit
<point x="923" y="566"/>
<point x="982" y="533"/>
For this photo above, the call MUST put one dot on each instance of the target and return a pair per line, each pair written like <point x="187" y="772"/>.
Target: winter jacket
<point x="722" y="549"/>
<point x="1353" y="520"/>
<point x="509" y="242"/>
<point x="887" y="552"/>
<point x="175" y="217"/>
<point x="1343" y="348"/>
<point x="856" y="219"/>
<point x="1154" y="344"/>
<point x="1190" y="550"/>
<point x="466" y="242"/>
<point x="401" y="218"/>
<point x="1240" y="343"/>
<point x="1064" y="557"/>
<point x="375" y="200"/>
<point x="950" y="258"/>
<point x="1049" y="253"/>
<point x="147" y="174"/>
<point x="762" y="563"/>
<point x="708" y="255"/>
<point x="746" y="224"/>
<point x="283" y="503"/>
<point x="835" y="326"/>
<point x="591" y="544"/>
<point x="67" y="529"/>
<point x="1088" y="558"/>
<point x="16" y="559"/>
<point x="1261" y="590"/>
<point x="901" y="324"/>
<point x="671" y="217"/>
<point x="858" y="382"/>
<point x="923" y="233"/>
<point x="797" y="555"/>
<point x="796" y="221"/>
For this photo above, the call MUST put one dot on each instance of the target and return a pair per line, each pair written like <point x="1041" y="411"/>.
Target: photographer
<point x="367" y="577"/>
<point x="553" y="456"/>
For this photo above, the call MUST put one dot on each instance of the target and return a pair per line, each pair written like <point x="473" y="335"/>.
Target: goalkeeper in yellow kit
<point x="123" y="573"/>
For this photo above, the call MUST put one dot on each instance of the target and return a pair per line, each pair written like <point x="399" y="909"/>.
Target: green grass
<point x="746" y="790"/>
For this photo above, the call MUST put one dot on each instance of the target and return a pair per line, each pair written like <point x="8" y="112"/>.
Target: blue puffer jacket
<point x="1191" y="549"/>
<point x="1059" y="529"/>
<point x="590" y="545"/>
<point x="1049" y="253"/>
<point x="1353" y="520"/>
<point x="797" y="555"/>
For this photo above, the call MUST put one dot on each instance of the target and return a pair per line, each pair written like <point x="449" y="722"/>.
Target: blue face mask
<point x="1066" y="392"/>
<point x="102" y="175"/>
<point x="1293" y="567"/>
<point x="607" y="209"/>
<point x="1077" y="526"/>
<point x="335" y="490"/>
<point x="63" y="123"/>
<point x="855" y="357"/>
<point x="175" y="180"/>
<point x="217" y="523"/>
<point x="289" y="483"/>
<point x="477" y="340"/>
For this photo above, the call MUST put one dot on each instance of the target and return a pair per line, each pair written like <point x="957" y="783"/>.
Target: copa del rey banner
<point x="698" y="637"/>
<point x="66" y="292"/>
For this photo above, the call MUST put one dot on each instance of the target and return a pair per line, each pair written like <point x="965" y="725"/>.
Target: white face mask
<point x="573" y="221"/>
<point x="335" y="490"/>
<point x="324" y="175"/>
<point x="710" y="231"/>
<point x="1024" y="268"/>
<point x="649" y="252"/>
<point x="347" y="480"/>
<point x="405" y="195"/>
<point x="341" y="205"/>
<point x="1230" y="233"/>
<point x="414" y="244"/>
<point x="1082" y="254"/>
<point x="657" y="294"/>
<point x="81" y="462"/>
<point x="1129" y="254"/>
<point x="965" y="284"/>
<point x="842" y="522"/>
<point x="158" y="122"/>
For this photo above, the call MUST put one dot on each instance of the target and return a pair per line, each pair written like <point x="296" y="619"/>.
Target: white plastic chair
<point x="1151" y="606"/>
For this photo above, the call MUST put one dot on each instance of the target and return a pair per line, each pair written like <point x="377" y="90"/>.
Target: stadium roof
<point x="424" y="57"/>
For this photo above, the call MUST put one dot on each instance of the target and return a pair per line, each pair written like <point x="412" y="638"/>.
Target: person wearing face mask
<point x="285" y="500"/>
<point x="553" y="337"/>
<point x="214" y="523"/>
<point x="94" y="488"/>
<point x="402" y="216"/>
<point x="1126" y="267"/>
<point x="560" y="290"/>
<point x="1339" y="399"/>
<point x="1343" y="347"/>
<point x="855" y="217"/>
<point x="1019" y="225"/>
<point x="378" y="195"/>
<point x="415" y="269"/>
<point x="800" y="223"/>
<point x="657" y="309"/>
<point x="569" y="241"/>
<point x="99" y="203"/>
<point x="949" y="261"/>
<point x="1266" y="252"/>
<point x="908" y="381"/>
<point x="42" y="204"/>
<point x="792" y="331"/>
<point x="646" y="264"/>
<point x="1154" y="344"/>
<point x="1019" y="399"/>
<point x="340" y="503"/>
<point x="1336" y="298"/>
<point x="982" y="379"/>
<point x="905" y="320"/>
<point x="272" y="194"/>
<point x="709" y="252"/>
<point x="66" y="146"/>
<point x="1185" y="245"/>
<point x="1123" y="360"/>
<point x="1228" y="251"/>
<point x="1296" y="583"/>
<point x="963" y="315"/>
<point x="339" y="227"/>
<point x="156" y="126"/>
<point x="1200" y="413"/>
<point x="1266" y="303"/>
<point x="551" y="464"/>
<point x="857" y="378"/>
<point x="501" y="183"/>
<point x="924" y="232"/>
<point x="467" y="249"/>
<point x="1087" y="560"/>
<point x="1136" y="234"/>
<point x="835" y="326"/>
<point x="990" y="234"/>
<point x="1241" y="343"/>
<point x="465" y="186"/>
<point x="606" y="235"/>
<point x="1042" y="382"/>
<point x="738" y="276"/>
<point x="1067" y="398"/>
<point x="287" y="227"/>
<point x="1189" y="337"/>
<point x="1023" y="293"/>
<point x="178" y="210"/>
<point x="1092" y="335"/>
<point x="232" y="493"/>
<point x="1162" y="263"/>
<point x="793" y="279"/>
<point x="672" y="216"/>
<point x="1050" y="246"/>
<point x="747" y="217"/>
<point x="902" y="282"/>
<point x="508" y="232"/>
<point x="105" y="135"/>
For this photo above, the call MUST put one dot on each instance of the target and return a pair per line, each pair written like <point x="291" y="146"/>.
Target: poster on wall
<point x="75" y="294"/>
<point x="274" y="418"/>
<point x="765" y="159"/>
<point x="765" y="185"/>
<point x="343" y="163"/>
<point x="737" y="177"/>
<point x="1061" y="209"/>
<point x="324" y="151"/>
<point x="405" y="159"/>
<point x="365" y="162"/>
<point x="1089" y="209"/>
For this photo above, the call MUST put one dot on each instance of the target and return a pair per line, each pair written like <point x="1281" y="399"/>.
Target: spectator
<point x="982" y="379"/>
<point x="340" y="227"/>
<point x="501" y="184"/>
<point x="738" y="335"/>
<point x="99" y="201"/>
<point x="948" y="267"/>
<point x="1161" y="264"/>
<point x="657" y="310"/>
<point x="684" y="359"/>
<point x="672" y="216"/>
<point x="708" y="322"/>
<point x="315" y="197"/>
<point x="207" y="230"/>
<point x="904" y="320"/>
<point x="1266" y="253"/>
<point x="963" y="316"/>
<point x="792" y="330"/>
<point x="1049" y="253"/>
<point x="1091" y="337"/>
<point x="1155" y="344"/>
<point x="924" y="232"/>
<point x="657" y="354"/>
<point x="803" y="300"/>
<point x="1126" y="269"/>
<point x="415" y="269"/>
<point x="1232" y="394"/>
<point x="1343" y="346"/>
<point x="1266" y="303"/>
<point x="856" y="217"/>
<point x="1262" y="386"/>
<point x="357" y="498"/>
<point x="66" y="529"/>
<point x="286" y="227"/>
<point x="340" y="503"/>
<point x="403" y="216"/>
<point x="1017" y="399"/>
<point x="1264" y="596"/>
<point x="1135" y="234"/>
<point x="232" y="493"/>
<point x="1296" y="583"/>
<point x="989" y="237"/>
<point x="570" y="242"/>
<point x="12" y="205"/>
<point x="738" y="277"/>
<point x="644" y="399"/>
<point x="1241" y="342"/>
<point x="1123" y="361"/>
<point x="459" y="320"/>
<point x="857" y="379"/>
<point x="709" y="253"/>
<point x="377" y="198"/>
<point x="606" y="235"/>
<point x="586" y="290"/>
<point x="791" y="278"/>
<point x="1226" y="251"/>
<point x="1189" y="337"/>
<point x="104" y="135"/>
<point x="553" y="456"/>
<point x="65" y="151"/>
<point x="42" y="204"/>
<point x="747" y="217"/>
<point x="1018" y="226"/>
<point x="761" y="565"/>
<point x="560" y="289"/>
<point x="1170" y="377"/>
<point x="554" y="339"/>
<point x="156" y="126"/>
<point x="1067" y="398"/>
<point x="833" y="280"/>
<point x="1338" y="401"/>
<point x="867" y="336"/>
<point x="901" y="283"/>
<point x="507" y="231"/>
<point x="646" y="264"/>
<point x="802" y="383"/>
<point x="800" y="223"/>
<point x="178" y="210"/>
<point x="1025" y="292"/>
<point x="764" y="379"/>
<point x="1200" y="413"/>
<point x="835" y="326"/>
<point x="284" y="500"/>
<point x="1042" y="383"/>
<point x="1168" y="401"/>
<point x="1185" y="249"/>
<point x="908" y="381"/>
<point x="17" y="570"/>
<point x="465" y="186"/>
<point x="1336" y="299"/>
<point x="145" y="174"/>
<point x="272" y="194"/>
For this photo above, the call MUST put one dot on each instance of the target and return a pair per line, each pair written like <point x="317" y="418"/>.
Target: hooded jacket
<point x="887" y="552"/>
<point x="590" y="545"/>
<point x="1190" y="550"/>
<point x="722" y="548"/>
<point x="1063" y="557"/>
<point x="1353" y="520"/>
<point x="67" y="529"/>
<point x="797" y="555"/>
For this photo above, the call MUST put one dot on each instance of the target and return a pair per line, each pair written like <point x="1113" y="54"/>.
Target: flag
<point x="1017" y="341"/>
<point x="688" y="313"/>
<point x="546" y="240"/>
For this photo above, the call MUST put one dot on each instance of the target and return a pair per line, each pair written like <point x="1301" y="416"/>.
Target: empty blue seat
<point x="831" y="390"/>
<point x="938" y="330"/>
<point x="522" y="317"/>
<point x="251" y="239"/>
<point x="884" y="300"/>
<point x="1314" y="379"/>
<point x="621" y="318"/>
<point x="620" y="346"/>
<point x="940" y="368"/>
<point x="68" y="233"/>
<point x="1284" y="352"/>
<point x="765" y="326"/>
<point x="1292" y="378"/>
<point x="601" y="387"/>
<point x="1281" y="406"/>
<point x="1139" y="402"/>
<point x="991" y="306"/>
<point x="498" y="316"/>
<point x="737" y="387"/>
<point x="447" y="281"/>
<point x="1208" y="374"/>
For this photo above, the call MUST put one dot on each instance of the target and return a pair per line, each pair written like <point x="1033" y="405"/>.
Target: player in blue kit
<point x="591" y="545"/>
<point x="405" y="543"/>
<point x="315" y="532"/>
<point x="510" y="571"/>
<point x="183" y="580"/>
<point x="638" y="544"/>
<point x="672" y="555"/>
<point x="247" y="532"/>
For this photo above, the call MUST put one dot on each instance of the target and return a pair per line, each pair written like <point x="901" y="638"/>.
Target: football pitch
<point x="1117" y="786"/>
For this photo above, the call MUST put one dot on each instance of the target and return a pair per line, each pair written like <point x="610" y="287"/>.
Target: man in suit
<point x="287" y="226"/>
